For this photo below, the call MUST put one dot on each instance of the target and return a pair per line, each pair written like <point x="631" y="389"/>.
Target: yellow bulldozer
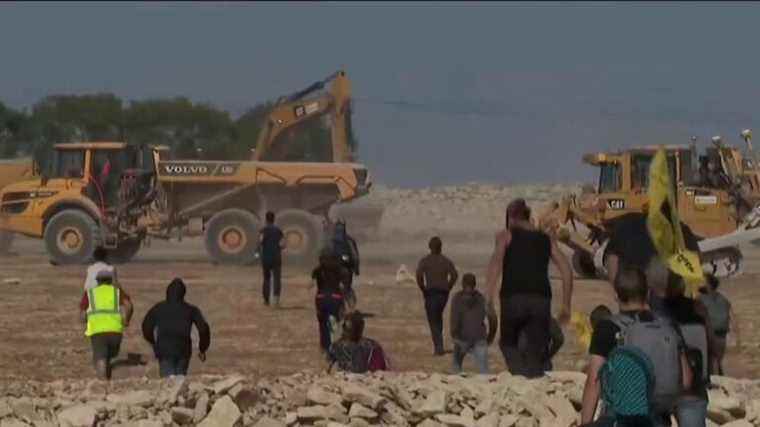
<point x="717" y="192"/>
<point x="118" y="196"/>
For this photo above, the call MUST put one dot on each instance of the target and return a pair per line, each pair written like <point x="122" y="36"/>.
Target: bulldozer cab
<point x="624" y="181"/>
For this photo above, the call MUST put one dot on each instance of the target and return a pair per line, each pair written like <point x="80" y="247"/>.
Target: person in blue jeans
<point x="468" y="328"/>
<point x="167" y="327"/>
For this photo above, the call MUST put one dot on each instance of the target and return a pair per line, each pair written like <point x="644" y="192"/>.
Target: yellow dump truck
<point x="118" y="195"/>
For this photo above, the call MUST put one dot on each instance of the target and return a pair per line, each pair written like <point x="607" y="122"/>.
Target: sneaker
<point x="276" y="302"/>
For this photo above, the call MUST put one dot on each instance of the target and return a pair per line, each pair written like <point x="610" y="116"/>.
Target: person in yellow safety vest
<point x="106" y="310"/>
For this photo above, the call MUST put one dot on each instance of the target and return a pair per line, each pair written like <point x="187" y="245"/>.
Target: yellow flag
<point x="665" y="232"/>
<point x="581" y="323"/>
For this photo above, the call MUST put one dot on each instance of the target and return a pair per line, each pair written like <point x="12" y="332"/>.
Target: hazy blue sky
<point x="495" y="92"/>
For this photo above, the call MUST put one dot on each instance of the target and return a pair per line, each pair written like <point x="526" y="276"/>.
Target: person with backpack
<point x="436" y="276"/>
<point x="641" y="339"/>
<point x="330" y="278"/>
<point x="168" y="326"/>
<point x="468" y="328"/>
<point x="347" y="251"/>
<point x="521" y="259"/>
<point x="693" y="324"/>
<point x="354" y="352"/>
<point x="722" y="321"/>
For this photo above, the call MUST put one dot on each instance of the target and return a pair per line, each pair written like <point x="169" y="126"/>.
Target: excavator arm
<point x="294" y="109"/>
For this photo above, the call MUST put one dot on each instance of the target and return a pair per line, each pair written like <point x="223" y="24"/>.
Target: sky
<point x="444" y="93"/>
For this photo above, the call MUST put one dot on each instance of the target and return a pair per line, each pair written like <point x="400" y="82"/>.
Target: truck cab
<point x="80" y="198"/>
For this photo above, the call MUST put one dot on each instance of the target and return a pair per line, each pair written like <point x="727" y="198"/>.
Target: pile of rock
<point x="305" y="399"/>
<point x="440" y="209"/>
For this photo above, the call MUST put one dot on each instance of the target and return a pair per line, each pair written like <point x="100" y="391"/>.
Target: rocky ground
<point x="319" y="399"/>
<point x="46" y="370"/>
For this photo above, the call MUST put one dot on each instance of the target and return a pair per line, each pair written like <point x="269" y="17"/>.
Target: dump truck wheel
<point x="232" y="237"/>
<point x="6" y="241"/>
<point x="125" y="251"/>
<point x="302" y="235"/>
<point x="71" y="237"/>
<point x="583" y="264"/>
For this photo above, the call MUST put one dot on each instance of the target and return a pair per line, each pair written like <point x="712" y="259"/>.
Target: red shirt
<point x="85" y="303"/>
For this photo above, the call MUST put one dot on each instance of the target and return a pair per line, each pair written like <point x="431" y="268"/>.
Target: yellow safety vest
<point x="103" y="313"/>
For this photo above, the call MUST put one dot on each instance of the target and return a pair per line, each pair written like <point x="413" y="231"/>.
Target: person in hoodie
<point x="468" y="329"/>
<point x="167" y="327"/>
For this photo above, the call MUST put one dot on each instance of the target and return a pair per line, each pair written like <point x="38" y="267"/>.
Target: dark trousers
<point x="529" y="315"/>
<point x="168" y="366"/>
<point x="327" y="305"/>
<point x="348" y="290"/>
<point x="271" y="271"/>
<point x="435" y="304"/>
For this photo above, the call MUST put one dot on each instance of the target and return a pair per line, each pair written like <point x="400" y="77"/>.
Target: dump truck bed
<point x="350" y="179"/>
<point x="14" y="170"/>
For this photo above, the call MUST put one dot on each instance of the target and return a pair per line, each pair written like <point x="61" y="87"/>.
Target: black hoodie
<point x="167" y="326"/>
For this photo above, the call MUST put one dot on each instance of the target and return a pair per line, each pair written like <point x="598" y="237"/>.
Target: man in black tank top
<point x="521" y="256"/>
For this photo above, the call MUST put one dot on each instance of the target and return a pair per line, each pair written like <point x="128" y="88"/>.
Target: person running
<point x="468" y="328"/>
<point x="521" y="257"/>
<point x="99" y="257"/>
<point x="347" y="251"/>
<point x="106" y="310"/>
<point x="329" y="277"/>
<point x="436" y="276"/>
<point x="354" y="352"/>
<point x="722" y="321"/>
<point x="271" y="244"/>
<point x="631" y="244"/>
<point x="653" y="338"/>
<point x="167" y="327"/>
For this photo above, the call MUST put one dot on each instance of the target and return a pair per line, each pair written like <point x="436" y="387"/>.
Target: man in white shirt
<point x="100" y="264"/>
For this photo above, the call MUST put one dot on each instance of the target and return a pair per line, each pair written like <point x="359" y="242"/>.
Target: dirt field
<point x="41" y="337"/>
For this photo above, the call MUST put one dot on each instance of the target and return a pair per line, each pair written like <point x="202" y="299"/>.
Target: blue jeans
<point x="478" y="350"/>
<point x="691" y="412"/>
<point x="168" y="366"/>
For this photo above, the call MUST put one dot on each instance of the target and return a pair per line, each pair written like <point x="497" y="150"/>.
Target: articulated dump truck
<point x="119" y="196"/>
<point x="116" y="195"/>
<point x="717" y="193"/>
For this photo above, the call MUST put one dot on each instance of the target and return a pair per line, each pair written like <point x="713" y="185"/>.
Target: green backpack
<point x="627" y="381"/>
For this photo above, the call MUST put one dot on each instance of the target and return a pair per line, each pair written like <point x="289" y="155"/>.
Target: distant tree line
<point x="186" y="127"/>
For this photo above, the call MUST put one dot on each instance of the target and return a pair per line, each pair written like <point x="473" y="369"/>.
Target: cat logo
<point x="616" y="204"/>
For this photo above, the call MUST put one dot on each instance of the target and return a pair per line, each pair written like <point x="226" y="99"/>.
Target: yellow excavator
<point x="299" y="114"/>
